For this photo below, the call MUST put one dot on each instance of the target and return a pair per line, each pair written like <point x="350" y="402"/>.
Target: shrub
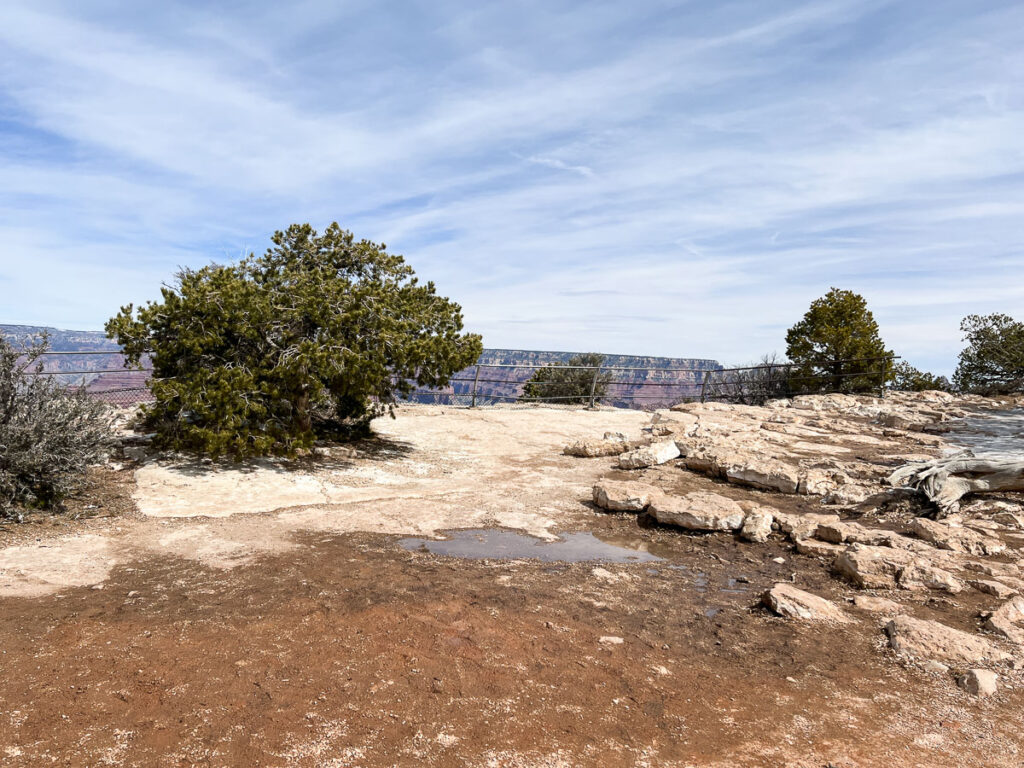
<point x="756" y="384"/>
<point x="48" y="435"/>
<point x="313" y="339"/>
<point x="906" y="378"/>
<point x="568" y="383"/>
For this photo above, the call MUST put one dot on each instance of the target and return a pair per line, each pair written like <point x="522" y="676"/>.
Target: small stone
<point x="786" y="600"/>
<point x="935" y="667"/>
<point x="979" y="682"/>
<point x="611" y="640"/>
<point x="133" y="593"/>
<point x="624" y="496"/>
<point x="649" y="455"/>
<point x="757" y="526"/>
<point x="779" y="560"/>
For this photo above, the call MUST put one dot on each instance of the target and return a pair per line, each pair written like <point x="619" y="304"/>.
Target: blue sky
<point x="664" y="178"/>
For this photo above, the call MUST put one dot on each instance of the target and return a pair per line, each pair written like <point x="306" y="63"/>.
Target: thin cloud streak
<point x="572" y="174"/>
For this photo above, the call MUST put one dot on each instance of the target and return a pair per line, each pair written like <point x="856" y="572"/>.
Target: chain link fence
<point x="562" y="386"/>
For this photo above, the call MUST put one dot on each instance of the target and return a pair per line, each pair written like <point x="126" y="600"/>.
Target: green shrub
<point x="312" y="339"/>
<point x="568" y="383"/>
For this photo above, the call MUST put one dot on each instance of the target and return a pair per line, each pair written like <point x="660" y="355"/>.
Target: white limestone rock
<point x="786" y="600"/>
<point x="649" y="455"/>
<point x="699" y="511"/>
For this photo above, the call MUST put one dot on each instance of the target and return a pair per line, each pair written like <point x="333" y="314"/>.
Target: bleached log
<point x="945" y="481"/>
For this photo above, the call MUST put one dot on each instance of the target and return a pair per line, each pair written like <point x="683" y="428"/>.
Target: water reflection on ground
<point x="992" y="432"/>
<point x="500" y="544"/>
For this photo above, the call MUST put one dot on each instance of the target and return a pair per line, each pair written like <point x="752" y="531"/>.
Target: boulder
<point x="649" y="455"/>
<point x="764" y="473"/>
<point x="932" y="640"/>
<point x="623" y="496"/>
<point x="870" y="567"/>
<point x="786" y="600"/>
<point x="757" y="525"/>
<point x="590" y="449"/>
<point x="919" y="575"/>
<point x="803" y="526"/>
<point x="698" y="512"/>
<point x="815" y="548"/>
<point x="956" y="539"/>
<point x="979" y="682"/>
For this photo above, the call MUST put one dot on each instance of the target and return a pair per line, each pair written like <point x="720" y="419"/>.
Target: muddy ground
<point x="192" y="641"/>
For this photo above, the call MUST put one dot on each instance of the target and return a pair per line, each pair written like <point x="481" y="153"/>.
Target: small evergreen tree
<point x="993" y="360"/>
<point x="906" y="378"/>
<point x="568" y="383"/>
<point x="838" y="327"/>
<point x="319" y="335"/>
<point x="49" y="435"/>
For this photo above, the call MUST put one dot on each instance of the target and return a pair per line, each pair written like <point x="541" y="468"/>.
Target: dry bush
<point x="48" y="435"/>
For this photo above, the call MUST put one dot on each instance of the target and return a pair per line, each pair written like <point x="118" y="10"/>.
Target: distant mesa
<point x="654" y="381"/>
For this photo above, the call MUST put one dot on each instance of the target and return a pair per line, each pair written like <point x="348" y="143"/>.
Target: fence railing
<point x="522" y="385"/>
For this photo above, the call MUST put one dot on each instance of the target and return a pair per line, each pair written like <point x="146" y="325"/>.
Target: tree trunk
<point x="945" y="481"/>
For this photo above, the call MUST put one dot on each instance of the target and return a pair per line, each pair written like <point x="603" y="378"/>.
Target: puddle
<point x="495" y="544"/>
<point x="998" y="432"/>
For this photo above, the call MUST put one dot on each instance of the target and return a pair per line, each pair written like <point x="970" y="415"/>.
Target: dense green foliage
<point x="568" y="385"/>
<point x="317" y="336"/>
<point x="993" y="360"/>
<point x="838" y="327"/>
<point x="48" y="435"/>
<point x="906" y="378"/>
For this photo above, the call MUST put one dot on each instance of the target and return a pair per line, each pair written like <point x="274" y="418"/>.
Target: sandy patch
<point x="39" y="569"/>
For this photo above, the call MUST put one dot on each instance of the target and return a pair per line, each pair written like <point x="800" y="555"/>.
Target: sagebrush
<point x="49" y="435"/>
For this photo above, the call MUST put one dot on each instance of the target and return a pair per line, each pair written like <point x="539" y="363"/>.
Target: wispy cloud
<point x="676" y="178"/>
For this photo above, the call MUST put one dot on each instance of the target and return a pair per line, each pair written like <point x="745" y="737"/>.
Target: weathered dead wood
<point x="945" y="481"/>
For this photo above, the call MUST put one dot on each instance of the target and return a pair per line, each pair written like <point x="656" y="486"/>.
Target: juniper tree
<point x="993" y="360"/>
<point x="321" y="332"/>
<point x="838" y="327"/>
<point x="568" y="383"/>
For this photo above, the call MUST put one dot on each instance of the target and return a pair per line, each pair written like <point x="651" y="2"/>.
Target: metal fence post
<point x="704" y="385"/>
<point x="476" y="380"/>
<point x="885" y="377"/>
<point x="593" y="386"/>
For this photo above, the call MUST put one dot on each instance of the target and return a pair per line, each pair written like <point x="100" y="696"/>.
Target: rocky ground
<point x="771" y="600"/>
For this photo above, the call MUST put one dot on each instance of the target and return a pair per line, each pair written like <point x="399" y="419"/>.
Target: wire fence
<point x="101" y="374"/>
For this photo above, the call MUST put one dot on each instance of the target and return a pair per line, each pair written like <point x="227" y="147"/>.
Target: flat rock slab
<point x="786" y="600"/>
<point x="698" y="512"/>
<point x="956" y="539"/>
<point x="932" y="640"/>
